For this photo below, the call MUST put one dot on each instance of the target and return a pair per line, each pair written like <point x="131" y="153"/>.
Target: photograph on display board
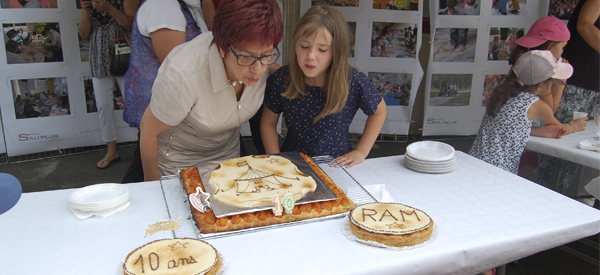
<point x="90" y="96"/>
<point x="509" y="7"/>
<point x="503" y="41"/>
<point x="339" y="3"/>
<point x="454" y="45"/>
<point x="459" y="7"/>
<point x="352" y="30"/>
<point x="450" y="89"/>
<point x="84" y="48"/>
<point x="32" y="42"/>
<point x="40" y="97"/>
<point x="29" y="4"/>
<point x="490" y="82"/>
<point x="562" y="9"/>
<point x="395" y="87"/>
<point x="411" y="5"/>
<point x="394" y="40"/>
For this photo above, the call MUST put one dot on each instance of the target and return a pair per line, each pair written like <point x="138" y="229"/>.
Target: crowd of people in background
<point x="562" y="9"/>
<point x="32" y="105"/>
<point x="22" y="41"/>
<point x="387" y="39"/>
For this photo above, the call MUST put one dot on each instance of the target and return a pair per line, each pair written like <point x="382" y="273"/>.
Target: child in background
<point x="495" y="47"/>
<point x="376" y="48"/>
<point x="547" y="33"/>
<point x="514" y="104"/>
<point x="320" y="92"/>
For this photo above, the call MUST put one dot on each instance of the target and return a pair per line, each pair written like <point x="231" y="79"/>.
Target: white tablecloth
<point x="567" y="147"/>
<point x="485" y="217"/>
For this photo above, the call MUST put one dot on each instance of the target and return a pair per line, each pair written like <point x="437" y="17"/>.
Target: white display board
<point x="397" y="63"/>
<point x="458" y="80"/>
<point x="56" y="122"/>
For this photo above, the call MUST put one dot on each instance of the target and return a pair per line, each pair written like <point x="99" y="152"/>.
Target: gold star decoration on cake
<point x="178" y="245"/>
<point x="395" y="226"/>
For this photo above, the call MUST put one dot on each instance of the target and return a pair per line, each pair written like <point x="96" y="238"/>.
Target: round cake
<point x="173" y="256"/>
<point x="392" y="224"/>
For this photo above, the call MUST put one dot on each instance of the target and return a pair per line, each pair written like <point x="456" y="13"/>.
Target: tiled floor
<point x="79" y="170"/>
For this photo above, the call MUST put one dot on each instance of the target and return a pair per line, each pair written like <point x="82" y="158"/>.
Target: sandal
<point x="110" y="161"/>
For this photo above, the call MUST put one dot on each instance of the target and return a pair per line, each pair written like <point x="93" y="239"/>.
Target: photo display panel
<point x="471" y="41"/>
<point x="47" y="98"/>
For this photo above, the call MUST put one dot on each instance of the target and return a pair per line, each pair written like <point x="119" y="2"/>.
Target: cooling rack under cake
<point x="178" y="207"/>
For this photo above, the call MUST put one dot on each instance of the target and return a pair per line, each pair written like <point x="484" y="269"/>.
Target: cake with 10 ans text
<point x="180" y="256"/>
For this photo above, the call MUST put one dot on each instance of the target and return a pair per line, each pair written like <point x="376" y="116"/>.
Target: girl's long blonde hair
<point x="338" y="72"/>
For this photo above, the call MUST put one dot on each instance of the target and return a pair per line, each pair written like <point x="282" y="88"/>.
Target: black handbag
<point x="118" y="54"/>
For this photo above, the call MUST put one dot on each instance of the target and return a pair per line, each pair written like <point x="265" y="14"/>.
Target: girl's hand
<point x="352" y="158"/>
<point x="580" y="124"/>
<point x="553" y="131"/>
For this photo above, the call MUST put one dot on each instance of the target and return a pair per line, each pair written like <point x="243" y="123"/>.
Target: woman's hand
<point x="101" y="5"/>
<point x="352" y="158"/>
<point x="86" y="4"/>
<point x="580" y="124"/>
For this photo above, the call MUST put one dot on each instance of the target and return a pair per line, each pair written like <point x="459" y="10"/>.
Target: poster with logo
<point x="44" y="104"/>
<point x="386" y="47"/>
<point x="471" y="42"/>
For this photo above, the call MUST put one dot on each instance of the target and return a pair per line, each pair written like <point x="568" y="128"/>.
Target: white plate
<point x="591" y="145"/>
<point x="431" y="163"/>
<point x="99" y="197"/>
<point x="430" y="151"/>
<point x="427" y="169"/>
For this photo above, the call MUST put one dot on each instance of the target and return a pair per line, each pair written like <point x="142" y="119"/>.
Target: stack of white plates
<point x="430" y="157"/>
<point x="99" y="197"/>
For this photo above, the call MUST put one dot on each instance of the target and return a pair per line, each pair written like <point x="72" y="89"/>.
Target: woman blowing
<point x="208" y="87"/>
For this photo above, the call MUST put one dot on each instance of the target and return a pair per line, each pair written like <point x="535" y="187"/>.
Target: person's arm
<point x="268" y="131"/>
<point x="540" y="109"/>
<point x="370" y="133"/>
<point x="208" y="12"/>
<point x="85" y="22"/>
<point x="550" y="131"/>
<point x="150" y="128"/>
<point x="553" y="99"/>
<point x="164" y="40"/>
<point x="590" y="12"/>
<point x="14" y="4"/>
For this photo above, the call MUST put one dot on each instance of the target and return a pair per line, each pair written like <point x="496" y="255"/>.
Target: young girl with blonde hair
<point x="320" y="92"/>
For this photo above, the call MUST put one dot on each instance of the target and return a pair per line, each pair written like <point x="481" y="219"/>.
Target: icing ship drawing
<point x="256" y="181"/>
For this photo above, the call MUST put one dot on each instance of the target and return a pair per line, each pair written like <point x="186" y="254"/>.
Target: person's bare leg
<point x="110" y="154"/>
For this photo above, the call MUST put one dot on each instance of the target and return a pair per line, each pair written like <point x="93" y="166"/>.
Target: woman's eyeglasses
<point x="244" y="60"/>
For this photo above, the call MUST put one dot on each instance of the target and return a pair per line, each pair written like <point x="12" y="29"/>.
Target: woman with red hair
<point x="206" y="88"/>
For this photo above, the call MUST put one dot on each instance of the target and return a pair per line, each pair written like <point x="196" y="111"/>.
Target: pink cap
<point x="544" y="29"/>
